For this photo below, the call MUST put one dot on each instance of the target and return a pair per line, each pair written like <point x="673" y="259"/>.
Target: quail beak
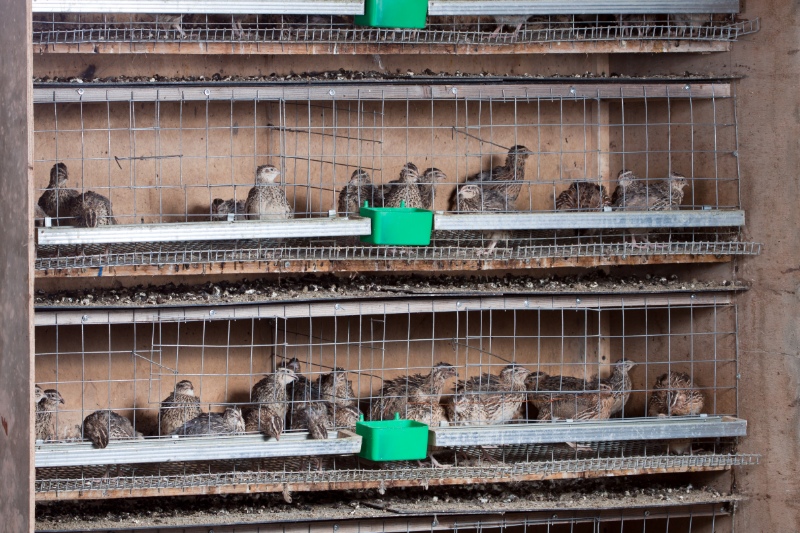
<point x="61" y="400"/>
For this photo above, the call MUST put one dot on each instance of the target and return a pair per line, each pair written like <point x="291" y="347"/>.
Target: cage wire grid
<point x="131" y="368"/>
<point x="263" y="30"/>
<point x="161" y="162"/>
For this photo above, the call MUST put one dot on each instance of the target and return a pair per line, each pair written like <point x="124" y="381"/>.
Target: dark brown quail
<point x="47" y="402"/>
<point x="57" y="199"/>
<point x="415" y="397"/>
<point x="586" y="405"/>
<point x="267" y="200"/>
<point x="675" y="394"/>
<point x="231" y="422"/>
<point x="489" y="399"/>
<point x="405" y="191"/>
<point x="220" y="209"/>
<point x="583" y="196"/>
<point x="102" y="426"/>
<point x="357" y="190"/>
<point x="90" y="210"/>
<point x="38" y="216"/>
<point x="269" y="417"/>
<point x="178" y="408"/>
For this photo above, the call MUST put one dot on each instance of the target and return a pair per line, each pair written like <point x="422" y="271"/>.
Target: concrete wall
<point x="16" y="282"/>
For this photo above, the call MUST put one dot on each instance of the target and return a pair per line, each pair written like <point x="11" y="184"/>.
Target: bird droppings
<point x="363" y="286"/>
<point x="362" y="504"/>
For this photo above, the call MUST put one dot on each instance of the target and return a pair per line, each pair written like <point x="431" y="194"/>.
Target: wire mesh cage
<point x="556" y="153"/>
<point x="372" y="361"/>
<point x="328" y="33"/>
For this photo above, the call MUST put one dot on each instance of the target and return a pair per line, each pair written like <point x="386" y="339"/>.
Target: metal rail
<point x="293" y="7"/>
<point x="700" y="427"/>
<point x="578" y="7"/>
<point x="194" y="449"/>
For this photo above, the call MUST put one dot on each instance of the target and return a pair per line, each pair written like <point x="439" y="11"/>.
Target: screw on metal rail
<point x="693" y="296"/>
<point x="686" y="87"/>
<point x="577" y="300"/>
<point x="207" y="92"/>
<point x="338" y="307"/>
<point x="435" y="522"/>
<point x="286" y="264"/>
<point x="647" y="513"/>
<point x="80" y="91"/>
<point x="454" y="90"/>
<point x="526" y="303"/>
<point x="335" y="527"/>
<point x="212" y="312"/>
<point x="84" y="318"/>
<point x="573" y="91"/>
<point x="331" y="92"/>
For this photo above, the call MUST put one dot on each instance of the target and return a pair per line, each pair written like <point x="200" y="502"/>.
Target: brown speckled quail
<point x="427" y="186"/>
<point x="56" y="199"/>
<point x="102" y="426"/>
<point x="90" y="210"/>
<point x="38" y="216"/>
<point x="489" y="399"/>
<point x="583" y="196"/>
<point x="178" y="408"/>
<point x="620" y="383"/>
<point x="415" y="397"/>
<point x="269" y="417"/>
<point x="335" y="388"/>
<point x="230" y="422"/>
<point x="636" y="194"/>
<point x="405" y="191"/>
<point x="357" y="190"/>
<point x="220" y="209"/>
<point x="473" y="199"/>
<point x="588" y="405"/>
<point x="675" y="394"/>
<point x="47" y="402"/>
<point x="267" y="200"/>
<point x="506" y="179"/>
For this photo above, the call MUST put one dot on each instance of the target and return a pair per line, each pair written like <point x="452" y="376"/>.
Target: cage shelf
<point x="611" y="7"/>
<point x="71" y="484"/>
<point x="274" y="34"/>
<point x="162" y="153"/>
<point x="616" y="430"/>
<point x="193" y="449"/>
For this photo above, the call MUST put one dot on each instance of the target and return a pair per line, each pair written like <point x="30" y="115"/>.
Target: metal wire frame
<point x="221" y="477"/>
<point x="661" y="517"/>
<point x="162" y="156"/>
<point x="131" y="368"/>
<point x="62" y="28"/>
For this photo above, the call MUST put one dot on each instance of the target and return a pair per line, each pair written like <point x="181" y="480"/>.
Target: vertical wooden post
<point x="16" y="274"/>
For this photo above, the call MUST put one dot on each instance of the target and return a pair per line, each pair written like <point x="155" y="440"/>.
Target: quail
<point x="509" y="20"/>
<point x="489" y="399"/>
<point x="230" y="422"/>
<point x="90" y="210"/>
<point x="506" y="179"/>
<point x="415" y="397"/>
<point x="47" y="402"/>
<point x="427" y="186"/>
<point x="267" y="200"/>
<point x="220" y="209"/>
<point x="102" y="426"/>
<point x="353" y="195"/>
<point x="179" y="407"/>
<point x="57" y="199"/>
<point x="405" y="191"/>
<point x="635" y="194"/>
<point x="471" y="198"/>
<point x="675" y="394"/>
<point x="583" y="196"/>
<point x="269" y="417"/>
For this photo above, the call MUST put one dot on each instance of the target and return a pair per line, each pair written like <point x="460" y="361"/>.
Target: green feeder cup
<point x="393" y="440"/>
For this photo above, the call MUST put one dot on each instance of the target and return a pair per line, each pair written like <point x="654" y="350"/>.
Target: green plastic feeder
<point x="394" y="14"/>
<point x="398" y="226"/>
<point x="393" y="440"/>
